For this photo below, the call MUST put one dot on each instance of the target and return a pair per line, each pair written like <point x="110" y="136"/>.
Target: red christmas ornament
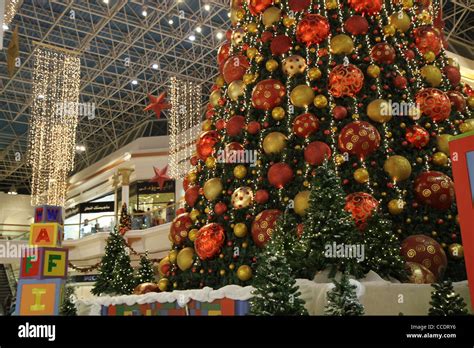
<point x="258" y="6"/>
<point x="339" y="112"/>
<point x="434" y="189"/>
<point x="316" y="152"/>
<point x="369" y="7"/>
<point x="179" y="228"/>
<point x="409" y="54"/>
<point x="359" y="138"/>
<point x="299" y="230"/>
<point x="427" y="39"/>
<point x="299" y="5"/>
<point x="235" y="125"/>
<point x="193" y="160"/>
<point x="400" y="82"/>
<point x="261" y="196"/>
<point x="266" y="36"/>
<point x="191" y="195"/>
<point x="223" y="54"/>
<point x="262" y="226"/>
<point x="205" y="144"/>
<point x="457" y="100"/>
<point x="209" y="240"/>
<point x="312" y="29"/>
<point x="361" y="205"/>
<point x="417" y="136"/>
<point x="235" y="68"/>
<point x="185" y="184"/>
<point x="434" y="103"/>
<point x="305" y="125"/>
<point x="280" y="174"/>
<point x="383" y="53"/>
<point x="220" y="124"/>
<point x="345" y="81"/>
<point x="453" y="74"/>
<point x="356" y="25"/>
<point x="160" y="176"/>
<point x="281" y="44"/>
<point x="233" y="147"/>
<point x="220" y="208"/>
<point x="253" y="127"/>
<point x="157" y="104"/>
<point x="425" y="251"/>
<point x="267" y="94"/>
<point x="180" y="211"/>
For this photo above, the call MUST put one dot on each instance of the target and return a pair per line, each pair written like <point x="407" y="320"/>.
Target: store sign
<point x="98" y="207"/>
<point x="72" y="211"/>
<point x="86" y="278"/>
<point x="147" y="187"/>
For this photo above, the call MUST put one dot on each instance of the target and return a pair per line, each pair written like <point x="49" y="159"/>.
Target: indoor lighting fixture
<point x="192" y="37"/>
<point x="80" y="148"/>
<point x="40" y="96"/>
<point x="220" y="35"/>
<point x="144" y="11"/>
<point x="170" y="21"/>
<point x="105" y="1"/>
<point x="207" y="7"/>
<point x="5" y="27"/>
<point x="228" y="14"/>
<point x="134" y="82"/>
<point x="12" y="191"/>
<point x="154" y="66"/>
<point x="127" y="156"/>
<point x="11" y="8"/>
<point x="198" y="29"/>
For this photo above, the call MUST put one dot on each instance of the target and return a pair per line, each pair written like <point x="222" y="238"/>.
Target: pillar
<point x="125" y="173"/>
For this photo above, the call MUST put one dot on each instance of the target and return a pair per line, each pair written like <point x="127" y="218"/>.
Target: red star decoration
<point x="157" y="104"/>
<point x="160" y="176"/>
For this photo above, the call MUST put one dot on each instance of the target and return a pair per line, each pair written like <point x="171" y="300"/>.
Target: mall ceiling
<point x="106" y="35"/>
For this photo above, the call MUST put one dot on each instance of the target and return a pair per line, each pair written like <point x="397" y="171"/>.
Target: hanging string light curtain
<point x="11" y="8"/>
<point x="52" y="133"/>
<point x="184" y="124"/>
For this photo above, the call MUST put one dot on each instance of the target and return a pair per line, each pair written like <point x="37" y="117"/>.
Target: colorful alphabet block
<point x="39" y="297"/>
<point x="42" y="263"/>
<point x="49" y="213"/>
<point x="45" y="234"/>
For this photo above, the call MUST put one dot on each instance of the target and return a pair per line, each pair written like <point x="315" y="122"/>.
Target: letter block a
<point x="45" y="234"/>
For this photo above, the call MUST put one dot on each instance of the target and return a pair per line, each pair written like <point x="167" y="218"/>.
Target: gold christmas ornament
<point x="251" y="52"/>
<point x="396" y="206"/>
<point x="242" y="197"/>
<point x="425" y="17"/>
<point x="240" y="230"/>
<point x="192" y="177"/>
<point x="341" y="44"/>
<point x="440" y="159"/>
<point x="240" y="171"/>
<point x="331" y="4"/>
<point x="220" y="81"/>
<point x="210" y="162"/>
<point x="215" y="97"/>
<point x="407" y="3"/>
<point x="320" y="101"/>
<point x="442" y="143"/>
<point x="244" y="273"/>
<point x="172" y="256"/>
<point x="314" y="74"/>
<point x="278" y="113"/>
<point x="470" y="102"/>
<point x="456" y="251"/>
<point x="185" y="258"/>
<point x="236" y="89"/>
<point x="249" y="78"/>
<point x="236" y="15"/>
<point x="401" y="21"/>
<point x="192" y="235"/>
<point x="389" y="30"/>
<point x="294" y="65"/>
<point x="212" y="189"/>
<point x="379" y="110"/>
<point x="432" y="75"/>
<point x="271" y="16"/>
<point x="252" y="28"/>
<point x="373" y="70"/>
<point x="271" y="65"/>
<point x="259" y="58"/>
<point x="301" y="202"/>
<point x="288" y="21"/>
<point x="429" y="56"/>
<point x="397" y="167"/>
<point x="467" y="125"/>
<point x="274" y="143"/>
<point x="301" y="96"/>
<point x="207" y="125"/>
<point x="339" y="159"/>
<point x="361" y="175"/>
<point x="194" y="214"/>
<point x="238" y="36"/>
<point x="163" y="284"/>
<point x="453" y="62"/>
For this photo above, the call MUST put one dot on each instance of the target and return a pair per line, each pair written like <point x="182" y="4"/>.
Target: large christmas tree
<point x="304" y="79"/>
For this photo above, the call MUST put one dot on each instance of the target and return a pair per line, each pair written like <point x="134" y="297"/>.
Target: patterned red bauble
<point x="361" y="205"/>
<point x="427" y="252"/>
<point x="179" y="228"/>
<point x="209" y="240"/>
<point x="253" y="127"/>
<point x="417" y="136"/>
<point x="235" y="125"/>
<point x="262" y="196"/>
<point x="427" y="39"/>
<point x="453" y="74"/>
<point x="434" y="103"/>
<point x="359" y="138"/>
<point x="262" y="226"/>
<point x="280" y="174"/>
<point x="400" y="82"/>
<point x="220" y="208"/>
<point x="267" y="94"/>
<point x="458" y="101"/>
<point x="383" y="53"/>
<point x="258" y="6"/>
<point x="316" y="152"/>
<point x="299" y="5"/>
<point x="223" y="53"/>
<point x="419" y="274"/>
<point x="356" y="25"/>
<point x="339" y="112"/>
<point x="220" y="124"/>
<point x="205" y="144"/>
<point x="235" y="68"/>
<point x="191" y="195"/>
<point x="345" y="81"/>
<point x="434" y="189"/>
<point x="281" y="44"/>
<point x="305" y="125"/>
<point x="233" y="146"/>
<point x="369" y="7"/>
<point x="312" y="29"/>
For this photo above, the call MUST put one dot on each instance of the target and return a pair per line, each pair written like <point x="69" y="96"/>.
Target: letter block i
<point x="43" y="263"/>
<point x="39" y="297"/>
<point x="45" y="234"/>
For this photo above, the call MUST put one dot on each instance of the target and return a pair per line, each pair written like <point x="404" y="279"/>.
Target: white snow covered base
<point x="379" y="297"/>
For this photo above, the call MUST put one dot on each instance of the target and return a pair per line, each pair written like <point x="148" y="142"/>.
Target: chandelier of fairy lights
<point x="184" y="124"/>
<point x="52" y="133"/>
<point x="11" y="8"/>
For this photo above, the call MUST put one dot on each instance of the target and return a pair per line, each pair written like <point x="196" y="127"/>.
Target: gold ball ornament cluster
<point x="301" y="96"/>
<point x="244" y="273"/>
<point x="240" y="171"/>
<point x="274" y="143"/>
<point x="278" y="113"/>
<point x="212" y="189"/>
<point x="240" y="230"/>
<point x="456" y="251"/>
<point x="396" y="206"/>
<point x="301" y="202"/>
<point x="294" y="65"/>
<point x="361" y="175"/>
